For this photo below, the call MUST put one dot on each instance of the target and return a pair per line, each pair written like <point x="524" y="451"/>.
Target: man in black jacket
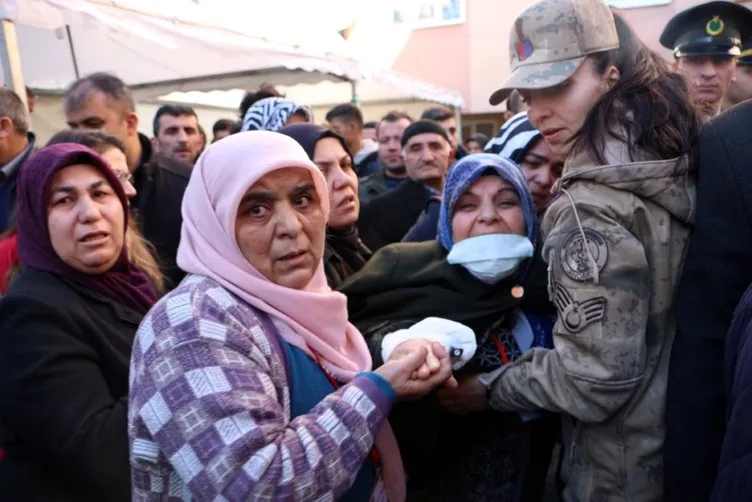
<point x="717" y="270"/>
<point x="16" y="145"/>
<point x="387" y="218"/>
<point x="102" y="102"/>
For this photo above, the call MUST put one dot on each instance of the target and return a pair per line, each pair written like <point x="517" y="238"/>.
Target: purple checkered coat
<point x="209" y="413"/>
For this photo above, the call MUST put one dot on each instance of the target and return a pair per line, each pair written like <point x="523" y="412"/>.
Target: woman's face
<point x="559" y="112"/>
<point x="85" y="219"/>
<point x="342" y="181"/>
<point x="490" y="206"/>
<point x="542" y="168"/>
<point x="117" y="161"/>
<point x="280" y="227"/>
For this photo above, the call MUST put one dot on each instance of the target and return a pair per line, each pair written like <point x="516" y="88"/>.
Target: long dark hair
<point x="648" y="108"/>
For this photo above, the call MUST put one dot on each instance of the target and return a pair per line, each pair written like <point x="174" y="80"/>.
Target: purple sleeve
<point x="214" y="413"/>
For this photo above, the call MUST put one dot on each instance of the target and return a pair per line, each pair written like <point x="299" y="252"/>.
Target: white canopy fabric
<point x="175" y="45"/>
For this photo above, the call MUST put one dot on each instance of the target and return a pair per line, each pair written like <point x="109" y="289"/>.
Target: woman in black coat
<point x="484" y="273"/>
<point x="345" y="253"/>
<point x="66" y="329"/>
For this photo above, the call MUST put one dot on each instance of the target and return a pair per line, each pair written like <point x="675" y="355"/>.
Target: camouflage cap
<point x="551" y="39"/>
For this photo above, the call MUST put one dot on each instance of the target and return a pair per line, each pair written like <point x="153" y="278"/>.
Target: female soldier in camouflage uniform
<point x="615" y="241"/>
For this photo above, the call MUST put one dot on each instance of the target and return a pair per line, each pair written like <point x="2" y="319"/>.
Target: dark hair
<point x="251" y="97"/>
<point x="346" y="111"/>
<point x="515" y="102"/>
<point x="479" y="138"/>
<point x="98" y="141"/>
<point x="648" y="108"/>
<point x="395" y="116"/>
<point x="371" y="124"/>
<point x="222" y="125"/>
<point x="108" y="84"/>
<point x="438" y="114"/>
<point x="172" y="111"/>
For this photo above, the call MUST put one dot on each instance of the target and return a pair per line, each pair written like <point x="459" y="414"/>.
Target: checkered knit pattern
<point x="209" y="412"/>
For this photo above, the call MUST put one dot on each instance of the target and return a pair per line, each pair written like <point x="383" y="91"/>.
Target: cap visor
<point x="536" y="76"/>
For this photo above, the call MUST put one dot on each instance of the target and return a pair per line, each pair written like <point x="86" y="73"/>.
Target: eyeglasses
<point x="125" y="177"/>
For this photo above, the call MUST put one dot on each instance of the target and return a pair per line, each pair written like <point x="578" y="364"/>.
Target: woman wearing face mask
<point x="481" y="272"/>
<point x="248" y="381"/>
<point x="614" y="241"/>
<point x="66" y="330"/>
<point x="345" y="253"/>
<point x="521" y="142"/>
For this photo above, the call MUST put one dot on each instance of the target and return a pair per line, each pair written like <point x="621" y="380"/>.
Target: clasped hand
<point x="467" y="396"/>
<point x="414" y="370"/>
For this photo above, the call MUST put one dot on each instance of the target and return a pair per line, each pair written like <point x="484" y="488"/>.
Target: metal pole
<point x="72" y="52"/>
<point x="458" y="119"/>
<point x="11" y="60"/>
<point x="355" y="98"/>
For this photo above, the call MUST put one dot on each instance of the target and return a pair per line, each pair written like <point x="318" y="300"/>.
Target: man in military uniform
<point x="741" y="88"/>
<point x="707" y="41"/>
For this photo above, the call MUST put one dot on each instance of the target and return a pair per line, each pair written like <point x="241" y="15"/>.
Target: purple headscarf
<point x="124" y="282"/>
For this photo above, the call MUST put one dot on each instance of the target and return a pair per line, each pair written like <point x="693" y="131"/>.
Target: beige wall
<point x="374" y="111"/>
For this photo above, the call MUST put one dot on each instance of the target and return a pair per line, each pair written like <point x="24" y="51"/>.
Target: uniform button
<point x="518" y="292"/>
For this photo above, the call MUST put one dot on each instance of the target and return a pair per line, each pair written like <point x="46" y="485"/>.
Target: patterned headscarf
<point x="514" y="139"/>
<point x="461" y="177"/>
<point x="271" y="114"/>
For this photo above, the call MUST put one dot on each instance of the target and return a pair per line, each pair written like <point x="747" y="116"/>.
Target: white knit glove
<point x="458" y="339"/>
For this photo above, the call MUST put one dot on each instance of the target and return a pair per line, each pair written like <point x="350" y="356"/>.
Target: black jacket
<point x="734" y="483"/>
<point x="161" y="181"/>
<point x="387" y="218"/>
<point x="64" y="357"/>
<point x="717" y="270"/>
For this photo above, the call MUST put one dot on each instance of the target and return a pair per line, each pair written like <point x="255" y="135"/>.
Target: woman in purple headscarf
<point x="66" y="329"/>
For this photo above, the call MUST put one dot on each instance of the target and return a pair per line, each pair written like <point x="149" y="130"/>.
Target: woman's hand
<point x="401" y="369"/>
<point x="430" y="366"/>
<point x="468" y="397"/>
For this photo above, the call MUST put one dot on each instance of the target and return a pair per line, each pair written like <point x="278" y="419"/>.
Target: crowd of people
<point x="380" y="311"/>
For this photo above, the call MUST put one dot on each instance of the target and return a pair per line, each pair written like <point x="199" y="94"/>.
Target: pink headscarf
<point x="316" y="316"/>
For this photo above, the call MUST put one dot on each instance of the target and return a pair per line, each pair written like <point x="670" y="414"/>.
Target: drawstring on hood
<point x="664" y="182"/>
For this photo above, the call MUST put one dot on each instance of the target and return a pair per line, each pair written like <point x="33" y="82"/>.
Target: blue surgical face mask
<point x="491" y="258"/>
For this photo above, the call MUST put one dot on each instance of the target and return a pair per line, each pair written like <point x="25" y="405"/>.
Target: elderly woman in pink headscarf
<point x="248" y="381"/>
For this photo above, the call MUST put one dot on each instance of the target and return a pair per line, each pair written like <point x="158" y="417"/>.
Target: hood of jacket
<point x="669" y="183"/>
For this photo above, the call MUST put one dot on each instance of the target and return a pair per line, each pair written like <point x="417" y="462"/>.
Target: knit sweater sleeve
<point x="210" y="412"/>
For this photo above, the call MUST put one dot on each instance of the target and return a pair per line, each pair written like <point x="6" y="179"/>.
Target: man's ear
<point x="131" y="123"/>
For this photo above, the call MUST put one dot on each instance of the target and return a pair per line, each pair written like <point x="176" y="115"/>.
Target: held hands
<point x="468" y="397"/>
<point x="415" y="370"/>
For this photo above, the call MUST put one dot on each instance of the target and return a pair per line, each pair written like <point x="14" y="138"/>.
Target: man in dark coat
<point x="16" y="145"/>
<point x="717" y="270"/>
<point x="734" y="483"/>
<point x="103" y="102"/>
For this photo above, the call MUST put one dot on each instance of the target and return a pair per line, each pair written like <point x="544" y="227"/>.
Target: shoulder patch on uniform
<point x="576" y="316"/>
<point x="574" y="256"/>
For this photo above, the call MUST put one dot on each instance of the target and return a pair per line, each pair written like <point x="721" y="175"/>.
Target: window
<point x="635" y="4"/>
<point x="486" y="128"/>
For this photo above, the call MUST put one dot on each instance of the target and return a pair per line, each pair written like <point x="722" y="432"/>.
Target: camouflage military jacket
<point x="615" y="243"/>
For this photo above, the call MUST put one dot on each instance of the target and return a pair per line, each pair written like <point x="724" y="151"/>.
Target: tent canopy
<point x="176" y="45"/>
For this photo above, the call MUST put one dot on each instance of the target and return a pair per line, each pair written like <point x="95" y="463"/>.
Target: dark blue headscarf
<point x="461" y="177"/>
